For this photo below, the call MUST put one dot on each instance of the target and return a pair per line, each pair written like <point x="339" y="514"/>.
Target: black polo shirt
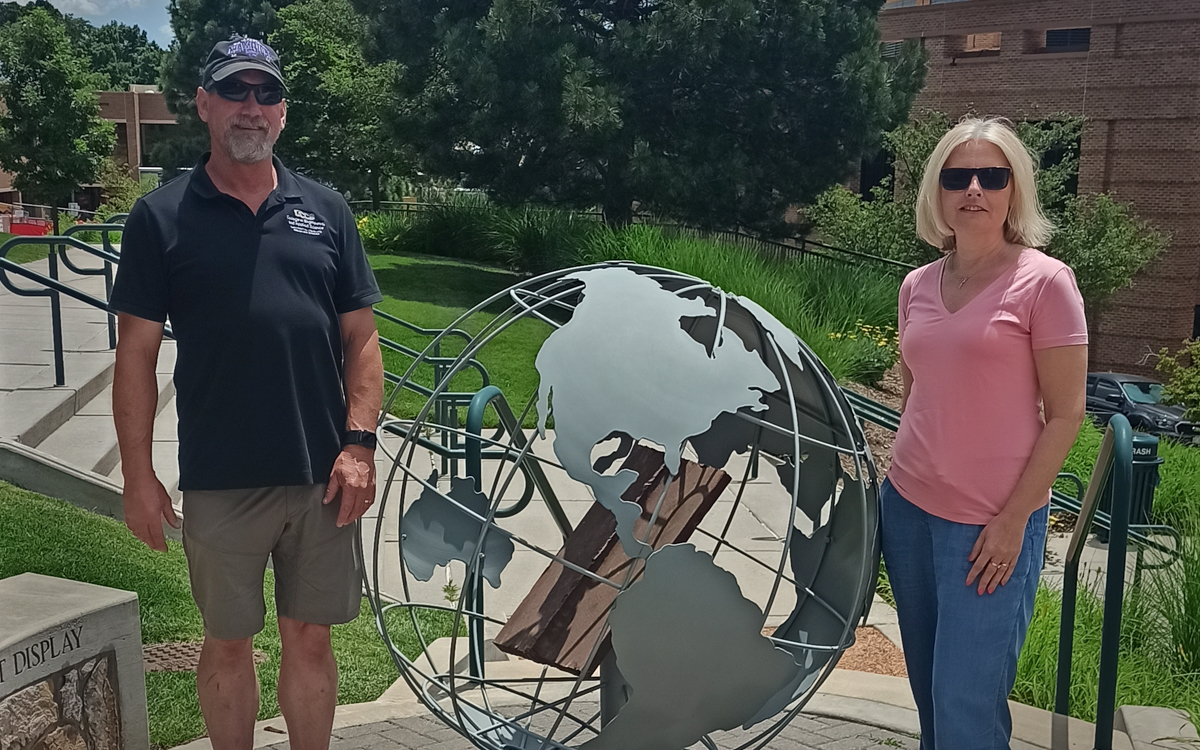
<point x="253" y="301"/>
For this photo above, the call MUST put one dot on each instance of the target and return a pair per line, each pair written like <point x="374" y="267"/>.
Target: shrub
<point x="1103" y="241"/>
<point x="538" y="240"/>
<point x="812" y="298"/>
<point x="1182" y="373"/>
<point x="845" y="312"/>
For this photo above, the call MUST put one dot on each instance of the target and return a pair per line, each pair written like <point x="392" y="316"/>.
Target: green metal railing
<point x="1114" y="465"/>
<point x="51" y="287"/>
<point x="1142" y="535"/>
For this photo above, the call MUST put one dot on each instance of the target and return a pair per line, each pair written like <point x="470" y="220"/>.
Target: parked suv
<point x="1140" y="400"/>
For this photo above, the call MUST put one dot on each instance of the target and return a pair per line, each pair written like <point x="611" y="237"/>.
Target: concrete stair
<point x="72" y="424"/>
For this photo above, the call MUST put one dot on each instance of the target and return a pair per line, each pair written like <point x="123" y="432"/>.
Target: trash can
<point x="1145" y="479"/>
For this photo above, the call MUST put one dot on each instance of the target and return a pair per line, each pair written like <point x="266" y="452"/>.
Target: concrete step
<point x="164" y="453"/>
<point x="88" y="440"/>
<point x="30" y="413"/>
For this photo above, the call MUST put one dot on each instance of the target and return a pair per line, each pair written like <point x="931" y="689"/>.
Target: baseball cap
<point x="240" y="53"/>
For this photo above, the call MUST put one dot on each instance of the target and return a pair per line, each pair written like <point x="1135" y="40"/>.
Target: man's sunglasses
<point x="990" y="178"/>
<point x="266" y="94"/>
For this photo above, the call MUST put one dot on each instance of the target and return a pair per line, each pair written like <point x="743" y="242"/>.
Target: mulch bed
<point x="871" y="652"/>
<point x="180" y="657"/>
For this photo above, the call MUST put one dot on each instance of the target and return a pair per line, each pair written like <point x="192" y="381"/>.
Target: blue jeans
<point x="960" y="647"/>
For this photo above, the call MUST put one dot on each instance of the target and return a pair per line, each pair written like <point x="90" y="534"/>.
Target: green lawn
<point x="42" y="535"/>
<point x="432" y="292"/>
<point x="24" y="253"/>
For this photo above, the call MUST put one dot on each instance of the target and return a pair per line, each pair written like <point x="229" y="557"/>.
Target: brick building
<point x="140" y="115"/>
<point x="1132" y="68"/>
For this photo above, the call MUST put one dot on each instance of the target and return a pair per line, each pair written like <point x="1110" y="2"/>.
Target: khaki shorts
<point x="228" y="535"/>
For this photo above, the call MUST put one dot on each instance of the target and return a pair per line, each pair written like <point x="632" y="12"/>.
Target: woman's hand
<point x="996" y="551"/>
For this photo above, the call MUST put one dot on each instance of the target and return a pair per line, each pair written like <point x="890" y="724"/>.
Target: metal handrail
<point x="889" y="419"/>
<point x="107" y="253"/>
<point x="1114" y="463"/>
<point x="51" y="287"/>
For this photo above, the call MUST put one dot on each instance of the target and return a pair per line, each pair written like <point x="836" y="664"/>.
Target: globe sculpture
<point x="675" y="556"/>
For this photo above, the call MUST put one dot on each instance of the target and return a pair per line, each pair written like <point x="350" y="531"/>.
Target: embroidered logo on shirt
<point x="305" y="223"/>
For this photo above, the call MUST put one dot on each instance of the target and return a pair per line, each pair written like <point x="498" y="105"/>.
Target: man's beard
<point x="248" y="140"/>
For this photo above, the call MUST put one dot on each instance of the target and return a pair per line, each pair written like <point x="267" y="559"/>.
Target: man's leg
<point x="308" y="682"/>
<point x="228" y="536"/>
<point x="228" y="689"/>
<point x="317" y="580"/>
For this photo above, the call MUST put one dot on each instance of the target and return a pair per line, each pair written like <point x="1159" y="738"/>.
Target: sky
<point x="151" y="15"/>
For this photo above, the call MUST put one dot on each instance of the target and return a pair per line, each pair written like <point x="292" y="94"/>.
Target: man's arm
<point x="135" y="398"/>
<point x="354" y="470"/>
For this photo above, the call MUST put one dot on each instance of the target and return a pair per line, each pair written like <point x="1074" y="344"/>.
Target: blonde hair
<point x="1026" y="224"/>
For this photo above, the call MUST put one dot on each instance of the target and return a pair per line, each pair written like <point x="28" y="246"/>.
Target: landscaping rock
<point x="65" y="738"/>
<point x="26" y="714"/>
<point x="100" y="707"/>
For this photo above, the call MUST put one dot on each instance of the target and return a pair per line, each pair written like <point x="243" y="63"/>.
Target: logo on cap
<point x="250" y="48"/>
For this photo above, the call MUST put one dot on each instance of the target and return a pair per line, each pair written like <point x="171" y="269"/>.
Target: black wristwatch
<point x="365" y="438"/>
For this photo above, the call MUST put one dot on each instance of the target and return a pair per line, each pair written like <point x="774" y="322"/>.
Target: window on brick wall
<point x="975" y="45"/>
<point x="1196" y="322"/>
<point x="982" y="42"/>
<point x="1068" y="40"/>
<point x="873" y="172"/>
<point x="890" y="49"/>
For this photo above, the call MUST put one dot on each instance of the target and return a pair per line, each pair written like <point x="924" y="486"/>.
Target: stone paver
<point x="425" y="733"/>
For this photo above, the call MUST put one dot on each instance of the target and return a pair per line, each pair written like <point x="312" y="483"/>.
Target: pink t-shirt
<point x="974" y="410"/>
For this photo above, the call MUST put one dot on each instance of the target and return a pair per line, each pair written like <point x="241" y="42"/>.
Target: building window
<point x="1196" y="322"/>
<point x="875" y="171"/>
<point x="981" y="45"/>
<point x="890" y="49"/>
<point x="1068" y="40"/>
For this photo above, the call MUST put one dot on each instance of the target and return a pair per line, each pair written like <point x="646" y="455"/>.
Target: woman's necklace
<point x="962" y="280"/>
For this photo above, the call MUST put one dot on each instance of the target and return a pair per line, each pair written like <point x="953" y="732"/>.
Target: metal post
<point x="473" y="586"/>
<point x="1114" y="591"/>
<point x="1066" y="638"/>
<point x="56" y="324"/>
<point x="108" y="285"/>
<point x="1114" y="462"/>
<point x="60" y="377"/>
<point x="112" y="319"/>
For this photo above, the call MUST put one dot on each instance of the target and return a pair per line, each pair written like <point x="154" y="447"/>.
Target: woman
<point x="990" y="332"/>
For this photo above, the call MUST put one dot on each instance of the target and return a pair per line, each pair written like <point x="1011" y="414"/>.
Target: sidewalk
<point x="852" y="711"/>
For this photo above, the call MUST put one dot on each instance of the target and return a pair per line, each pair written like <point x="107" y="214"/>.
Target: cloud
<point x="94" y="7"/>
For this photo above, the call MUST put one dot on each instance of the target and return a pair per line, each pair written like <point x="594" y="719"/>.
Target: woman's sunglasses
<point x="266" y="94"/>
<point x="956" y="178"/>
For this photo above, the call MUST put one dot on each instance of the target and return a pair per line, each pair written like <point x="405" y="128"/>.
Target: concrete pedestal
<point x="71" y="674"/>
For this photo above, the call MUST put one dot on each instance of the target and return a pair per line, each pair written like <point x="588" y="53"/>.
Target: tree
<point x="198" y="25"/>
<point x="337" y="102"/>
<point x="1182" y="373"/>
<point x="720" y="113"/>
<point x="123" y="53"/>
<point x="1101" y="239"/>
<point x="51" y="136"/>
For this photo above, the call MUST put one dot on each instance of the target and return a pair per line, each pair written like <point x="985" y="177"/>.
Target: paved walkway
<point x="426" y="733"/>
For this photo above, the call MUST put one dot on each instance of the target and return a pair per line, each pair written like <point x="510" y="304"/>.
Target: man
<point x="279" y="383"/>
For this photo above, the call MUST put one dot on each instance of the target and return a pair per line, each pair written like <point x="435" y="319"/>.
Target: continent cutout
<point x="689" y="645"/>
<point x="623" y="364"/>
<point x="435" y="531"/>
<point x="832" y="568"/>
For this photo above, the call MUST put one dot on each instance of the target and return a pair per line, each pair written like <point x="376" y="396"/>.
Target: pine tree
<point x="715" y="112"/>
